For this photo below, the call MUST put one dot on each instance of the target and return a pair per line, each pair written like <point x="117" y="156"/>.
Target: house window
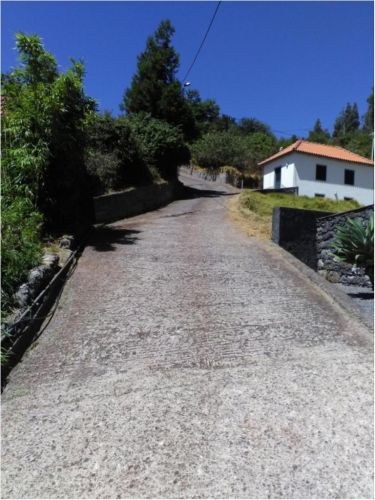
<point x="277" y="177"/>
<point x="318" y="195"/>
<point x="321" y="173"/>
<point x="349" y="177"/>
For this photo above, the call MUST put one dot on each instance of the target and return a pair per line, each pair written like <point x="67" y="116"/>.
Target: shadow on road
<point x="104" y="238"/>
<point x="188" y="193"/>
<point x="362" y="295"/>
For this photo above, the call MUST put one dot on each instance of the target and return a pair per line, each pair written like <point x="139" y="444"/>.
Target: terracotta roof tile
<point x="313" y="148"/>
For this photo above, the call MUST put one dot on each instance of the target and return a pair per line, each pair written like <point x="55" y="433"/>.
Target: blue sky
<point x="286" y="63"/>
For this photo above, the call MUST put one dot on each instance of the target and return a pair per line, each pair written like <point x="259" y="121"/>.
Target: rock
<point x="67" y="241"/>
<point x="37" y="276"/>
<point x="333" y="277"/>
<point x="23" y="296"/>
<point x="50" y="260"/>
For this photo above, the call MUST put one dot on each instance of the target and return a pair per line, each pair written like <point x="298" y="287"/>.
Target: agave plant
<point x="354" y="244"/>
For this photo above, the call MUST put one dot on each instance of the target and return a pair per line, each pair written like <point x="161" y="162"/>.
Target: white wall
<point x="362" y="191"/>
<point x="299" y="170"/>
<point x="287" y="173"/>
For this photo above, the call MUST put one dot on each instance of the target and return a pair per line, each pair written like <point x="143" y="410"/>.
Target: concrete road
<point x="188" y="360"/>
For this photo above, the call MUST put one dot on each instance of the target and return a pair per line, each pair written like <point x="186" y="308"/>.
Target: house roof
<point x="313" y="148"/>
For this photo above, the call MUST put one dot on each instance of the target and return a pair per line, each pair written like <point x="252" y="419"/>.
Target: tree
<point x="368" y="119"/>
<point x="259" y="146"/>
<point x="44" y="181"/>
<point x="44" y="131"/>
<point x="284" y="142"/>
<point x="360" y="143"/>
<point x="252" y="125"/>
<point x="205" y="112"/>
<point x="218" y="149"/>
<point x="161" y="145"/>
<point x="318" y="134"/>
<point x="347" y="122"/>
<point x="155" y="88"/>
<point x="224" y="123"/>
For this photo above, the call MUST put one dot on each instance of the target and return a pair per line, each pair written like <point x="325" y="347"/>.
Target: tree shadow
<point x="188" y="193"/>
<point x="104" y="238"/>
<point x="179" y="215"/>
<point x="362" y="295"/>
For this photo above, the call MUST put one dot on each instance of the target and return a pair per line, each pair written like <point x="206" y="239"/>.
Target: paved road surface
<point x="187" y="360"/>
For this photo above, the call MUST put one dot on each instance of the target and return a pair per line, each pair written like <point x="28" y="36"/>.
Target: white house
<point x="321" y="170"/>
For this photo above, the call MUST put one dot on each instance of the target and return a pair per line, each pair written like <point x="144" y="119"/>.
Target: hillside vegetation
<point x="263" y="204"/>
<point x="253" y="211"/>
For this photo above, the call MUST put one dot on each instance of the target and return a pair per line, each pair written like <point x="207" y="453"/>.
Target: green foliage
<point x="347" y="131"/>
<point x="368" y="119"/>
<point x="259" y="145"/>
<point x="354" y="244"/>
<point x="284" y="142"/>
<point x="114" y="158"/>
<point x="360" y="143"/>
<point x="263" y="204"/>
<point x="252" y="125"/>
<point x="155" y="88"/>
<point x="20" y="244"/>
<point x="224" y="123"/>
<point x="347" y="122"/>
<point x="205" y="113"/>
<point x="44" y="184"/>
<point x="44" y="135"/>
<point x="162" y="146"/>
<point x="217" y="149"/>
<point x="318" y="134"/>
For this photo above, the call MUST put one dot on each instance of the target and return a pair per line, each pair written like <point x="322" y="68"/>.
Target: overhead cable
<point x="202" y="43"/>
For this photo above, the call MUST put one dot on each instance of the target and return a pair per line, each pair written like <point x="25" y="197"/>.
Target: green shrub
<point x="161" y="145"/>
<point x="44" y="135"/>
<point x="104" y="171"/>
<point x="217" y="149"/>
<point x="114" y="159"/>
<point x="44" y="182"/>
<point x="354" y="244"/>
<point x="20" y="245"/>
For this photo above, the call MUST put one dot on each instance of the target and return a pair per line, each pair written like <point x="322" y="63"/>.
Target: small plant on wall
<point x="354" y="244"/>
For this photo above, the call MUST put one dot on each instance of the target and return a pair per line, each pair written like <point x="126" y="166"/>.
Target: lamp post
<point x="186" y="84"/>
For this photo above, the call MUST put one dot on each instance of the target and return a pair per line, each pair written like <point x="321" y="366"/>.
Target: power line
<point x="202" y="43"/>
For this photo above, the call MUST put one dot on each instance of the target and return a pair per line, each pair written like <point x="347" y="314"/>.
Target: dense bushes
<point x="44" y="136"/>
<point x="113" y="156"/>
<point x="161" y="145"/>
<point x="132" y="150"/>
<point x="233" y="148"/>
<point x="44" y="182"/>
<point x="217" y="149"/>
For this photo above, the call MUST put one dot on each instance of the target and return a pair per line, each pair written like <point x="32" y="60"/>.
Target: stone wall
<point x="295" y="230"/>
<point x="114" y="206"/>
<point x="327" y="266"/>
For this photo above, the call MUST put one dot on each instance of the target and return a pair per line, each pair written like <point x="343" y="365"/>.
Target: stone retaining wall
<point x="294" y="229"/>
<point x="114" y="206"/>
<point x="327" y="266"/>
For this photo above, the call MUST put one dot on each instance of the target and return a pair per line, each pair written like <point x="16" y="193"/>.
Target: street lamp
<point x="185" y="85"/>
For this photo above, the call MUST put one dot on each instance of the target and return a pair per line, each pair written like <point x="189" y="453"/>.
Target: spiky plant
<point x="354" y="244"/>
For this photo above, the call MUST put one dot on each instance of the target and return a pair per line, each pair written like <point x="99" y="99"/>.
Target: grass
<point x="263" y="204"/>
<point x="253" y="211"/>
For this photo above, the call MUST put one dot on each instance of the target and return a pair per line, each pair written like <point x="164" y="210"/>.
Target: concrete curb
<point x="336" y="295"/>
